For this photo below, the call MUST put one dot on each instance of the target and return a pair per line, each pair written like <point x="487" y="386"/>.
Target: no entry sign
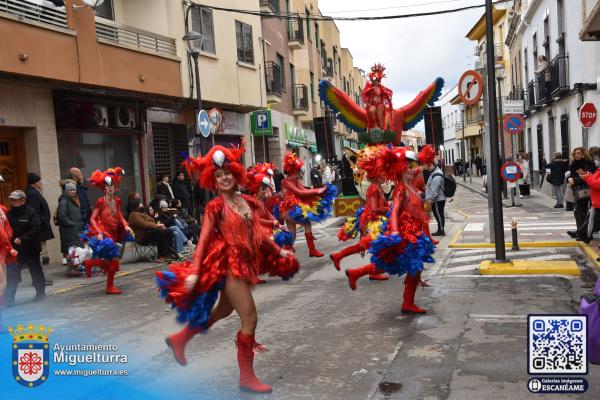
<point x="510" y="171"/>
<point x="514" y="123"/>
<point x="587" y="115"/>
<point x="470" y="87"/>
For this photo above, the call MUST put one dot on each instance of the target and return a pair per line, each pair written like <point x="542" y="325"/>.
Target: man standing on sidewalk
<point x="435" y="197"/>
<point x="36" y="201"/>
<point x="26" y="229"/>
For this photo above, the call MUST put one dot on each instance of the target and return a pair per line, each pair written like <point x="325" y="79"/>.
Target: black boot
<point x="438" y="233"/>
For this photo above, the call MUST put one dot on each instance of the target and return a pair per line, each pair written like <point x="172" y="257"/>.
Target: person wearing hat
<point x="69" y="220"/>
<point x="166" y="218"/>
<point x="36" y="201"/>
<point x="26" y="224"/>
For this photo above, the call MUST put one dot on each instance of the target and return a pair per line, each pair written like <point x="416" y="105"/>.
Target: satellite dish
<point x="93" y="3"/>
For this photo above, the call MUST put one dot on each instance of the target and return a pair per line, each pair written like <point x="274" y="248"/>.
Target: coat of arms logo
<point x="30" y="354"/>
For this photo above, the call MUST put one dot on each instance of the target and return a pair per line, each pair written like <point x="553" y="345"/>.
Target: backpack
<point x="449" y="184"/>
<point x="590" y="306"/>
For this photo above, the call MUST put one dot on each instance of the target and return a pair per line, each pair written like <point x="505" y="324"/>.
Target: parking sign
<point x="261" y="123"/>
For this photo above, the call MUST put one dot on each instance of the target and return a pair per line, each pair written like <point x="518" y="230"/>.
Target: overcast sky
<point x="414" y="50"/>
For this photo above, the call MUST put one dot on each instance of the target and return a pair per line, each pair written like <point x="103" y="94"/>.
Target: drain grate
<point x="389" y="388"/>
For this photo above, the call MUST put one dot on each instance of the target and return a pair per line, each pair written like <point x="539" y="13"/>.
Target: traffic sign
<point x="510" y="171"/>
<point x="587" y="115"/>
<point x="514" y="123"/>
<point x="261" y="123"/>
<point x="513" y="106"/>
<point x="470" y="87"/>
<point x="203" y="124"/>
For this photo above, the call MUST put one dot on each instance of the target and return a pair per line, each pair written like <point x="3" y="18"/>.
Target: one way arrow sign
<point x="203" y="124"/>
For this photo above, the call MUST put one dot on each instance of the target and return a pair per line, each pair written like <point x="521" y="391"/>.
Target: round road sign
<point x="510" y="171"/>
<point x="470" y="87"/>
<point x="514" y="123"/>
<point x="587" y="115"/>
<point x="203" y="123"/>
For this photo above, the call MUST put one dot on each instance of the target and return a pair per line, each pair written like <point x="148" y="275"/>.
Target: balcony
<point x="470" y="121"/>
<point x="270" y="6"/>
<point x="273" y="82"/>
<point x="530" y="97"/>
<point x="296" y="34"/>
<point x="328" y="69"/>
<point x="543" y="94"/>
<point x="128" y="36"/>
<point x="516" y="93"/>
<point x="300" y="99"/>
<point x="559" y="75"/>
<point x="27" y="11"/>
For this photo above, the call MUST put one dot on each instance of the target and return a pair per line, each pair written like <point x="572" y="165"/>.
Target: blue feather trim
<point x="323" y="208"/>
<point x="104" y="249"/>
<point x="275" y="212"/>
<point x="439" y="83"/>
<point x="283" y="237"/>
<point x="407" y="261"/>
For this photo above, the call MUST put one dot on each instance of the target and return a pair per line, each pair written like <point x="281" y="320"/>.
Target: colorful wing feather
<point x="412" y="113"/>
<point x="348" y="112"/>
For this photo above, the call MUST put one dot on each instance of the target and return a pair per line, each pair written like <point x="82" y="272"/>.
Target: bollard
<point x="515" y="235"/>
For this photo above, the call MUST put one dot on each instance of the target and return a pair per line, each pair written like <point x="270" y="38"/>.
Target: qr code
<point x="557" y="344"/>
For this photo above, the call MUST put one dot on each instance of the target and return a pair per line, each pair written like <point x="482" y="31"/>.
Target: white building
<point x="450" y="122"/>
<point x="552" y="28"/>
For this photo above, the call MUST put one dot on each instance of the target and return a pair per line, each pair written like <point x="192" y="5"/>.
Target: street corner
<point x="529" y="267"/>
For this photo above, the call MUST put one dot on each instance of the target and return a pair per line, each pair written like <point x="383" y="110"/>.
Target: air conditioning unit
<point x="100" y="117"/>
<point x="125" y="117"/>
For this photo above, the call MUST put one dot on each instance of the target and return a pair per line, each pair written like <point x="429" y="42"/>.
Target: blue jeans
<point x="179" y="238"/>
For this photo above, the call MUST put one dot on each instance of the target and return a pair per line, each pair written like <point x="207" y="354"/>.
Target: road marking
<point x="474" y="227"/>
<point x="450" y="270"/>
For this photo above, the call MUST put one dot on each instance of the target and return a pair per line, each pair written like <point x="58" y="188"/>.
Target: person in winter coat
<point x="25" y="223"/>
<point x="69" y="218"/>
<point x="36" y="201"/>
<point x="84" y="201"/>
<point x="558" y="167"/>
<point x="435" y="198"/>
<point x="581" y="160"/>
<point x="149" y="232"/>
<point x="164" y="188"/>
<point x="181" y="192"/>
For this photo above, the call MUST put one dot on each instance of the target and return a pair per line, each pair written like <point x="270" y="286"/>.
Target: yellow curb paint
<point x="529" y="267"/>
<point x="590" y="253"/>
<point x="522" y="245"/>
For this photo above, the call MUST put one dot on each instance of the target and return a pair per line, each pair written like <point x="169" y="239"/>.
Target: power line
<point x="395" y="7"/>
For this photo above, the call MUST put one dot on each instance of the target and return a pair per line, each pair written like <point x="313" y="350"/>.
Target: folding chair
<point x="147" y="252"/>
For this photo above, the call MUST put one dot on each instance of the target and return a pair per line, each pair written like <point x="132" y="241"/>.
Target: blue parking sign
<point x="261" y="123"/>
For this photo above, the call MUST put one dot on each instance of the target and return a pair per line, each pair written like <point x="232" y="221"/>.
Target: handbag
<point x="581" y="194"/>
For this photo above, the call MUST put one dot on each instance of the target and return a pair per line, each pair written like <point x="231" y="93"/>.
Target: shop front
<point x="302" y="142"/>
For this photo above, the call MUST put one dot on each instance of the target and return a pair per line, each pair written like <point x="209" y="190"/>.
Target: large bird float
<point x="378" y="121"/>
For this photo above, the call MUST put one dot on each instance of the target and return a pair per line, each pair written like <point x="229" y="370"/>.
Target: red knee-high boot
<point x="408" y="304"/>
<point x="337" y="257"/>
<point x="94" y="262"/>
<point x="246" y="346"/>
<point x="310" y="241"/>
<point x="428" y="233"/>
<point x="355" y="273"/>
<point x="113" y="267"/>
<point x="177" y="341"/>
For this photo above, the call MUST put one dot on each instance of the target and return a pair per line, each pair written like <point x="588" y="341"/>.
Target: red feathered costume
<point x="232" y="244"/>
<point x="7" y="254"/>
<point x="426" y="156"/>
<point x="375" y="207"/>
<point x="107" y="220"/>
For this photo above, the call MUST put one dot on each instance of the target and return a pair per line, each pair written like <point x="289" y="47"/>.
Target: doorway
<point x="13" y="166"/>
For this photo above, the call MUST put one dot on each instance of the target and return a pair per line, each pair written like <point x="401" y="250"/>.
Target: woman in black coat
<point x="558" y="167"/>
<point x="69" y="219"/>
<point x="581" y="159"/>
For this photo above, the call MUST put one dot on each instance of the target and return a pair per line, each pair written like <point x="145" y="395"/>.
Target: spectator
<point x="36" y="201"/>
<point x="26" y="226"/>
<point x="478" y="165"/>
<point x="85" y="208"/>
<point x="523" y="183"/>
<point x="69" y="219"/>
<point x="278" y="177"/>
<point x="191" y="223"/>
<point x="314" y="176"/>
<point x="581" y="160"/>
<point x="435" y="197"/>
<point x="167" y="219"/>
<point x="164" y="188"/>
<point x="131" y="196"/>
<point x="181" y="192"/>
<point x="327" y="175"/>
<point x="543" y="74"/>
<point x="558" y="167"/>
<point x="149" y="232"/>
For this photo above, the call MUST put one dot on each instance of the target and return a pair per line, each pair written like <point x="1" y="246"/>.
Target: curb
<point x="590" y="253"/>
<point x="529" y="267"/>
<point x="526" y="245"/>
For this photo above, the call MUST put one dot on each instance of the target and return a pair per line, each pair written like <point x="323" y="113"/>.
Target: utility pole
<point x="462" y="142"/>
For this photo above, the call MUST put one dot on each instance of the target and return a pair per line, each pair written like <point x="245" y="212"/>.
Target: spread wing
<point x="347" y="111"/>
<point x="413" y="112"/>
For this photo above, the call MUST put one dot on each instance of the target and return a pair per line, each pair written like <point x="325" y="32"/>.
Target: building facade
<point x="451" y="118"/>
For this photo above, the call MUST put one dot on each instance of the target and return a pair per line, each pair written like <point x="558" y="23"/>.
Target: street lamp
<point x="500" y="79"/>
<point x="318" y="158"/>
<point x="462" y="142"/>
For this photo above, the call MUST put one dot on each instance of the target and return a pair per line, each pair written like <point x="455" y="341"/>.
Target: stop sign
<point x="587" y="115"/>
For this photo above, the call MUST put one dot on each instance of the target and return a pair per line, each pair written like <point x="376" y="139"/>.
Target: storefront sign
<point x="513" y="106"/>
<point x="295" y="136"/>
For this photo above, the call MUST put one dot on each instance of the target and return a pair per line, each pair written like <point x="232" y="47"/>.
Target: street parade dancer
<point x="108" y="229"/>
<point x="403" y="246"/>
<point x="367" y="220"/>
<point x="301" y="205"/>
<point x="8" y="255"/>
<point x="226" y="264"/>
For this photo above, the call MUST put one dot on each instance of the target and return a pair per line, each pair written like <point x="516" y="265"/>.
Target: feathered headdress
<point x="393" y="162"/>
<point x="367" y="161"/>
<point x="427" y="155"/>
<point x="377" y="72"/>
<point x="258" y="175"/>
<point x="110" y="177"/>
<point x="291" y="163"/>
<point x="204" y="168"/>
<point x="264" y="168"/>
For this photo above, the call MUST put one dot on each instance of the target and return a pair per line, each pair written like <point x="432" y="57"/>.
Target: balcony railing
<point x="296" y="31"/>
<point x="28" y="11"/>
<point x="559" y="75"/>
<point x="127" y="35"/>
<point x="516" y="93"/>
<point x="272" y="4"/>
<point x="530" y="97"/>
<point x="300" y="97"/>
<point x="273" y="78"/>
<point x="473" y="120"/>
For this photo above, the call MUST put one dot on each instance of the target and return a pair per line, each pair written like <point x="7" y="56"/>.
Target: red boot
<point x="428" y="233"/>
<point x="356" y="273"/>
<point x="112" y="269"/>
<point x="408" y="304"/>
<point x="94" y="262"/>
<point x="378" y="277"/>
<point x="310" y="241"/>
<point x="177" y="341"/>
<point x="337" y="257"/>
<point x="245" y="355"/>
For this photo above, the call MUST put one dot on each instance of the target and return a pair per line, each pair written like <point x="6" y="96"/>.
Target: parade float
<point x="375" y="121"/>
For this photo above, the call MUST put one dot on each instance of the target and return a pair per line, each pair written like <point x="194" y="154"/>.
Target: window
<point x="245" y="47"/>
<point x="307" y="23"/>
<point x="202" y="22"/>
<point x="312" y="87"/>
<point x="564" y="135"/>
<point x="281" y="64"/>
<point x="105" y="10"/>
<point x="316" y="35"/>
